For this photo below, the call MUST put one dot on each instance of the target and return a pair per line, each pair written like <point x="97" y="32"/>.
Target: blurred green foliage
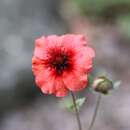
<point x="97" y="6"/>
<point x="108" y="11"/>
<point x="123" y="23"/>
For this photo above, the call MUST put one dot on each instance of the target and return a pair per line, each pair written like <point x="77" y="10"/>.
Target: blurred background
<point x="107" y="26"/>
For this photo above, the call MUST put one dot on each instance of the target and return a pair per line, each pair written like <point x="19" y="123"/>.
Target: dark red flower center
<point x="60" y="60"/>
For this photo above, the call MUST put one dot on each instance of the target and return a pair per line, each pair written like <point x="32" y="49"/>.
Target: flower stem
<point x="76" y="111"/>
<point x="95" y="112"/>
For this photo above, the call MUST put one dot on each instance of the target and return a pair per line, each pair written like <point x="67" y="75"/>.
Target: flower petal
<point x="90" y="52"/>
<point x="83" y="59"/>
<point x="61" y="89"/>
<point x="54" y="41"/>
<point x="45" y="82"/>
<point x="49" y="85"/>
<point x="72" y="40"/>
<point x="37" y="65"/>
<point x="39" y="47"/>
<point x="75" y="81"/>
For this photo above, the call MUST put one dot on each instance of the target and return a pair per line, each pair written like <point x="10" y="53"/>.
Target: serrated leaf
<point x="116" y="84"/>
<point x="79" y="103"/>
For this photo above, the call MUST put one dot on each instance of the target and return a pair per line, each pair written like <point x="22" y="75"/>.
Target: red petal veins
<point x="61" y="89"/>
<point x="39" y="47"/>
<point x="45" y="82"/>
<point x="72" y="40"/>
<point x="54" y="41"/>
<point x="84" y="58"/>
<point x="75" y="81"/>
<point x="37" y="65"/>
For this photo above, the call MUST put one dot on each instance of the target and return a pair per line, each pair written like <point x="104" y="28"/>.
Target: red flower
<point x="61" y="63"/>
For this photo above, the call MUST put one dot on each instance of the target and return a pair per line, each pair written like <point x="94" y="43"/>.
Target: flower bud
<point x="102" y="84"/>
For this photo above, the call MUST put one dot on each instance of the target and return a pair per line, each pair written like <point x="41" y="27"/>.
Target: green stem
<point x="95" y="112"/>
<point x="76" y="111"/>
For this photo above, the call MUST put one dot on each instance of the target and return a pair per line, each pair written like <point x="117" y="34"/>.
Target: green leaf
<point x="79" y="103"/>
<point x="116" y="84"/>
